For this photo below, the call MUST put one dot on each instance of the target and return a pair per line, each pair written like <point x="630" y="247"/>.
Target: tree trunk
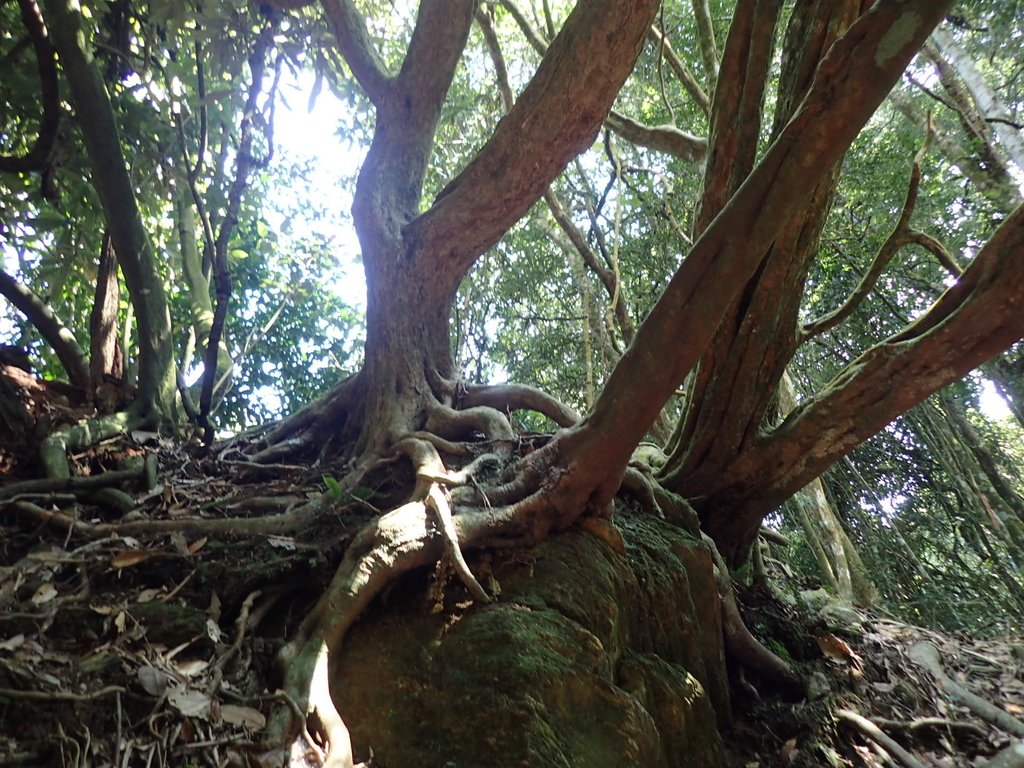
<point x="104" y="352"/>
<point x="414" y="260"/>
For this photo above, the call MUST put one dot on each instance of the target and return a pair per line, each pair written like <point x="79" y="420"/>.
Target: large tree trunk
<point x="738" y="375"/>
<point x="415" y="259"/>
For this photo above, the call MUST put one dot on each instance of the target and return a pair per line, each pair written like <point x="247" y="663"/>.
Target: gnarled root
<point x="554" y="487"/>
<point x="742" y="646"/>
<point x="416" y="534"/>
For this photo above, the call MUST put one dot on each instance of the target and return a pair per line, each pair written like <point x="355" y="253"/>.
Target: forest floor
<point x="127" y="645"/>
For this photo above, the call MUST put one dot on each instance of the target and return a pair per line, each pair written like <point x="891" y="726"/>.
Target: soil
<point x="130" y="649"/>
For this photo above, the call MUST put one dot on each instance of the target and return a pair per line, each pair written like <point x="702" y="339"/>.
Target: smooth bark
<point x="113" y="183"/>
<point x="54" y="332"/>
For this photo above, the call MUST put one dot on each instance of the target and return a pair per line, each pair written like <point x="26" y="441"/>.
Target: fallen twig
<point x="927" y="655"/>
<point x="875" y="733"/>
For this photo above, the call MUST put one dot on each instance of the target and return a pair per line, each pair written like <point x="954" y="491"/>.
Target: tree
<point x="728" y="319"/>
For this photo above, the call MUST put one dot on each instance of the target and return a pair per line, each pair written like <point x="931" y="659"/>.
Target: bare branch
<point x="355" y="45"/>
<point x="991" y="178"/>
<point x="558" y="113"/>
<point x="937" y="249"/>
<point x="662" y="138"/>
<point x="539" y="44"/>
<point x="706" y="38"/>
<point x="603" y="273"/>
<point x="53" y="331"/>
<point x="697" y="93"/>
<point x="896" y="239"/>
<point x="483" y="20"/>
<point x="221" y="273"/>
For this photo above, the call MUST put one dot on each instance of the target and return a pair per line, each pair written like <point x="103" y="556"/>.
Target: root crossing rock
<point x="591" y="657"/>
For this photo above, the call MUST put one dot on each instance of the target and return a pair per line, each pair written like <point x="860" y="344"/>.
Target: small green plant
<point x="333" y="487"/>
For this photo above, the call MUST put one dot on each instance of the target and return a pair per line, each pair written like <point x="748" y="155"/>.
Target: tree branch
<point x="442" y="28"/>
<point x="558" y="113"/>
<point x="53" y="331"/>
<point x="697" y="93"/>
<point x="355" y="45"/>
<point x="736" y="110"/>
<point x="221" y="272"/>
<point x="538" y="43"/>
<point x="38" y="157"/>
<point x="603" y="273"/>
<point x="662" y="138"/>
<point x="706" y="38"/>
<point x="896" y="239"/>
<point x="991" y="179"/>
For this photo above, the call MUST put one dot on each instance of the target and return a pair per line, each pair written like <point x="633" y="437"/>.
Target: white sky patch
<point x="313" y="136"/>
<point x="991" y="402"/>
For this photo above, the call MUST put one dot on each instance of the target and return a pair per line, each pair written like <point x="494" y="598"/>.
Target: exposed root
<point x="431" y="475"/>
<point x="72" y="485"/>
<point x="512" y="397"/>
<point x="53" y="452"/>
<point x="395" y="543"/>
<point x="927" y="655"/>
<point x="638" y="481"/>
<point x="449" y="447"/>
<point x="742" y="646"/>
<point x="436" y="498"/>
<point x="283" y="450"/>
<point x="469" y="423"/>
<point x="416" y="534"/>
<point x="328" y="414"/>
<point x="286" y="522"/>
<point x="876" y="734"/>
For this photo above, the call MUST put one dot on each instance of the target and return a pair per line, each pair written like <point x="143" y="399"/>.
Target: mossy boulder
<point x="599" y="652"/>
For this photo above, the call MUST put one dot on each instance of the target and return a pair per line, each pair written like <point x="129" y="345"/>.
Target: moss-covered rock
<point x="590" y="658"/>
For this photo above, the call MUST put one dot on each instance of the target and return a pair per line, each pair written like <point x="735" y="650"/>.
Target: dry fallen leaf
<point x="44" y="594"/>
<point x="13" y="643"/>
<point x="198" y="544"/>
<point x="788" y="752"/>
<point x="189" y="703"/>
<point x="129" y="558"/>
<point x="192" y="667"/>
<point x="247" y="717"/>
<point x="837" y="649"/>
<point x="153" y="681"/>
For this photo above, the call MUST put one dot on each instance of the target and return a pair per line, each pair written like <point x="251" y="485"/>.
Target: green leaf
<point x="333" y="487"/>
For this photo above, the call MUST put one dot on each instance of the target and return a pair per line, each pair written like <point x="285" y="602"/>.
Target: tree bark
<point x="861" y="66"/>
<point x="104" y="352"/>
<point x="739" y="373"/>
<point x="157" y="389"/>
<point x="415" y="261"/>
